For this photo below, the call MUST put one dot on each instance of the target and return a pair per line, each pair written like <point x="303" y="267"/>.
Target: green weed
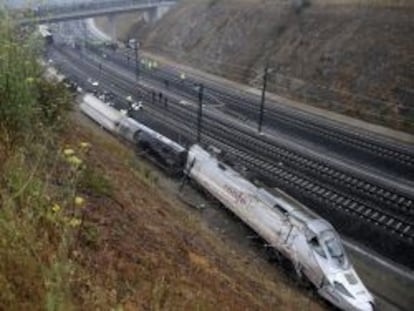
<point x="95" y="182"/>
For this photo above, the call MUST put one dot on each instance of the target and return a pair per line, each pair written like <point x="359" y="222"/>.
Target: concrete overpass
<point x="59" y="13"/>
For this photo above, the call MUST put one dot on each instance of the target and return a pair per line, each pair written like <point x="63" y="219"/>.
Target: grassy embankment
<point x="40" y="205"/>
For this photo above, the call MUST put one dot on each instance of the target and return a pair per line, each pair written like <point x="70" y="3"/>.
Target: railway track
<point x="292" y="176"/>
<point x="393" y="158"/>
<point x="364" y="189"/>
<point x="400" y="205"/>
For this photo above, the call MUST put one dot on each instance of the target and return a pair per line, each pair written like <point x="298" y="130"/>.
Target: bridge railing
<point x="93" y="5"/>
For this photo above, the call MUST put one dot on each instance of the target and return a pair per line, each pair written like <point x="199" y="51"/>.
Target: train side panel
<point x="106" y="116"/>
<point x="127" y="128"/>
<point x="309" y="242"/>
<point x="238" y="195"/>
<point x="165" y="151"/>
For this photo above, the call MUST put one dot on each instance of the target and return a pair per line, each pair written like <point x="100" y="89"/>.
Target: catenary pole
<point x="200" y="111"/>
<point x="262" y="102"/>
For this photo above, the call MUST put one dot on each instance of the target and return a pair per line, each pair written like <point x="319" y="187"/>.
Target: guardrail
<point x="59" y="13"/>
<point x="43" y="11"/>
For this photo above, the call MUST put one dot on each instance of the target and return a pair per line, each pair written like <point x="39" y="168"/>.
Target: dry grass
<point x="151" y="253"/>
<point x="84" y="225"/>
<point x="136" y="247"/>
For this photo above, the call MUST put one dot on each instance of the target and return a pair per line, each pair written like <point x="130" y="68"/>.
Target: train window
<point x="221" y="166"/>
<point x="334" y="248"/>
<point x="309" y="234"/>
<point x="317" y="247"/>
<point x="284" y="211"/>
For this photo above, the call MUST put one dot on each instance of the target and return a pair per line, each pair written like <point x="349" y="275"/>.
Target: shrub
<point x="94" y="182"/>
<point x="28" y="102"/>
<point x="36" y="225"/>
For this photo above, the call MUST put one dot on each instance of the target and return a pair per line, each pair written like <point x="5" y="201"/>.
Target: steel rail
<point x="397" y="156"/>
<point x="399" y="204"/>
<point x="287" y="176"/>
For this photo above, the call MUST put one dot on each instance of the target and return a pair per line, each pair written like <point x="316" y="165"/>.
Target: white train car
<point x="165" y="151"/>
<point x="307" y="240"/>
<point x="106" y="116"/>
<point x="45" y="33"/>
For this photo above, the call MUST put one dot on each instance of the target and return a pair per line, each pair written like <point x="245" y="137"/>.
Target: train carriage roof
<point x="292" y="207"/>
<point x="272" y="197"/>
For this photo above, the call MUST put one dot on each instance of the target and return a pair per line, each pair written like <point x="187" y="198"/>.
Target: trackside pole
<point x="262" y="103"/>
<point x="136" y="47"/>
<point x="200" y="111"/>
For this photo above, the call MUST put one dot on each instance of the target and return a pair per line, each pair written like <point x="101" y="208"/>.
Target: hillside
<point x="86" y="224"/>
<point x="94" y="227"/>
<point x="148" y="251"/>
<point x="354" y="57"/>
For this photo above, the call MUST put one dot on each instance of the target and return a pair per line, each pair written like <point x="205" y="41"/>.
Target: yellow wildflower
<point x="75" y="161"/>
<point x="84" y="145"/>
<point x="68" y="152"/>
<point x="56" y="208"/>
<point x="30" y="80"/>
<point x="79" y="201"/>
<point x="75" y="222"/>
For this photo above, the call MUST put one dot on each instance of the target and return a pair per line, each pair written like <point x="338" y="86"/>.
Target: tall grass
<point x="38" y="185"/>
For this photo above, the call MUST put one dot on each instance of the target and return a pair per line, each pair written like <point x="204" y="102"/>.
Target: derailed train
<point x="307" y="240"/>
<point x="166" y="152"/>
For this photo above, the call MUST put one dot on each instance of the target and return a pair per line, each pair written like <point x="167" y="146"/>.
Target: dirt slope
<point x="354" y="57"/>
<point x="151" y="253"/>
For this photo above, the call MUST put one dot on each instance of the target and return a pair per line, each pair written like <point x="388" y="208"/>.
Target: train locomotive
<point x="305" y="239"/>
